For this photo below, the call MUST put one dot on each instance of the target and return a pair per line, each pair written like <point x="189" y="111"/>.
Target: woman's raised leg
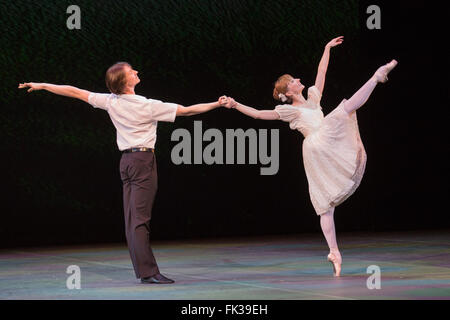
<point x="361" y="96"/>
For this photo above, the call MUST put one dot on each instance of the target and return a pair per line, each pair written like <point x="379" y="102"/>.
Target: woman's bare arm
<point x="254" y="113"/>
<point x="323" y="65"/>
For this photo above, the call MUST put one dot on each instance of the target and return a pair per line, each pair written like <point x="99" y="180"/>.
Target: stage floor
<point x="414" y="265"/>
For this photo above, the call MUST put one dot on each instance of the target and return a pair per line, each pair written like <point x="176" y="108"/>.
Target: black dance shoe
<point x="158" y="279"/>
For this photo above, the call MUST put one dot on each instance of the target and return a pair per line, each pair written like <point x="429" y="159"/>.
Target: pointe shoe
<point x="382" y="72"/>
<point x="336" y="263"/>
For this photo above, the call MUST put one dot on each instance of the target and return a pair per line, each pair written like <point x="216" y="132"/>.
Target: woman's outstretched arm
<point x="254" y="113"/>
<point x="323" y="65"/>
<point x="63" y="90"/>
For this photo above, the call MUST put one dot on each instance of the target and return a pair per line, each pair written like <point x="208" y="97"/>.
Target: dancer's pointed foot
<point x="382" y="72"/>
<point x="336" y="262"/>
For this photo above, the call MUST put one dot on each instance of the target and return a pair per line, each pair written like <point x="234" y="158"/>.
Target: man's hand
<point x="227" y="102"/>
<point x="223" y="100"/>
<point x="33" y="86"/>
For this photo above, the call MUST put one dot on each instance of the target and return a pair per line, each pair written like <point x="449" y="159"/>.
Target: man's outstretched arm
<point x="63" y="90"/>
<point x="202" y="107"/>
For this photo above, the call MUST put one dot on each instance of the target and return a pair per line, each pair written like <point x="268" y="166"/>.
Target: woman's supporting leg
<point x="329" y="231"/>
<point x="361" y="96"/>
<point x="327" y="224"/>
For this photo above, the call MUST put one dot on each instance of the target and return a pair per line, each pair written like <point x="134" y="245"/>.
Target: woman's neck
<point x="298" y="99"/>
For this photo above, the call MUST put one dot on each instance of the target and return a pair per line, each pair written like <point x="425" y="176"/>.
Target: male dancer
<point x="135" y="119"/>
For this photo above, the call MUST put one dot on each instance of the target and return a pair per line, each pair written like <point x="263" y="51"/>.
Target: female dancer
<point x="333" y="153"/>
<point x="135" y="118"/>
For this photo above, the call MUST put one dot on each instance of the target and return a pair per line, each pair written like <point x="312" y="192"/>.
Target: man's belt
<point x="142" y="149"/>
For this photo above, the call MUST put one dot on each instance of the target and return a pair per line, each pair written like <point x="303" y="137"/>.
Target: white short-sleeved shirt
<point x="135" y="117"/>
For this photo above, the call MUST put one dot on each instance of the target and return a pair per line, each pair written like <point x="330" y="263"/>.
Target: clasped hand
<point x="227" y="102"/>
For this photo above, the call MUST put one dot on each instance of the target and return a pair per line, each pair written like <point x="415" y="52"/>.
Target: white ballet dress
<point x="333" y="153"/>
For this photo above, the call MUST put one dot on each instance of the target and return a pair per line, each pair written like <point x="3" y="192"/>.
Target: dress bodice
<point x="307" y="118"/>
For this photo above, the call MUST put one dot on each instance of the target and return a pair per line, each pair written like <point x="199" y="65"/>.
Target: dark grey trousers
<point x="140" y="182"/>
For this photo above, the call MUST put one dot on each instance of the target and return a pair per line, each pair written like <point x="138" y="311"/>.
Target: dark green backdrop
<point x="60" y="159"/>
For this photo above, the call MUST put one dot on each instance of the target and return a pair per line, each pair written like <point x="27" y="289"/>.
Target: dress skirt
<point x="334" y="159"/>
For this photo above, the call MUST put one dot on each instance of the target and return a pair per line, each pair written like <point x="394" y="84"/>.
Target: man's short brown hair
<point x="116" y="78"/>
